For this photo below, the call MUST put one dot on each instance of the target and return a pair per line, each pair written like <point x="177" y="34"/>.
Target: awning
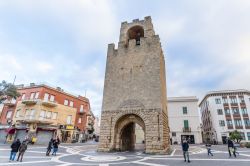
<point x="10" y="130"/>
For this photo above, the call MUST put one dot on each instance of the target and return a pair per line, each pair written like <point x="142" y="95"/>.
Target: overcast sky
<point x="64" y="43"/>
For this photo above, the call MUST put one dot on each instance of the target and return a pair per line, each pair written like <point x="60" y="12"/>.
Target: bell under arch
<point x="135" y="32"/>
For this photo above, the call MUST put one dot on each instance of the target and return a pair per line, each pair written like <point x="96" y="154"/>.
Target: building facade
<point x="223" y="112"/>
<point x="43" y="112"/>
<point x="184" y="120"/>
<point x="135" y="91"/>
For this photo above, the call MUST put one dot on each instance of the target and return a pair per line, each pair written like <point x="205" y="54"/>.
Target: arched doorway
<point x="125" y="132"/>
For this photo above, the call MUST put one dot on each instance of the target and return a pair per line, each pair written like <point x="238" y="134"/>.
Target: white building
<point x="223" y="112"/>
<point x="184" y="119"/>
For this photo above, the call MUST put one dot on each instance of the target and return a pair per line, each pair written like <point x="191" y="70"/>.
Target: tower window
<point x="136" y="33"/>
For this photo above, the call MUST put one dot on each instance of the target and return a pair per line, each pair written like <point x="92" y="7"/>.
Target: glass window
<point x="81" y="108"/>
<point x="238" y="122"/>
<point x="32" y="114"/>
<point x="18" y="113"/>
<point x="184" y="110"/>
<point x="173" y="134"/>
<point x="48" y="115"/>
<point x="27" y="113"/>
<point x="235" y="110"/>
<point x="243" y="135"/>
<point x="66" y="102"/>
<point x="227" y="111"/>
<point x="247" y="122"/>
<point x="8" y="115"/>
<point x="46" y="97"/>
<point x="37" y="95"/>
<point x="52" y="98"/>
<point x="219" y="111"/>
<point x="233" y="100"/>
<point x="80" y="120"/>
<point x="71" y="103"/>
<point x="222" y="122"/>
<point x="23" y="96"/>
<point x="69" y="117"/>
<point x="241" y="98"/>
<point x="217" y="101"/>
<point x="229" y="122"/>
<point x="42" y="115"/>
<point x="248" y="136"/>
<point x="243" y="111"/>
<point x="54" y="115"/>
<point x="32" y="95"/>
<point x="186" y="124"/>
<point x="224" y="100"/>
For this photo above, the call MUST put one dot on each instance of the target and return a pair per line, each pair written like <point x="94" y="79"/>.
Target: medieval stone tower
<point x="135" y="91"/>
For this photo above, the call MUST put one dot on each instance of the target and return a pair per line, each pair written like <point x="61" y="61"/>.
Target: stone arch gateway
<point x="135" y="91"/>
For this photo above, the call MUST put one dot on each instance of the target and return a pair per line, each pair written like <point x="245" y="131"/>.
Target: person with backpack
<point x="22" y="149"/>
<point x="14" y="149"/>
<point x="231" y="148"/>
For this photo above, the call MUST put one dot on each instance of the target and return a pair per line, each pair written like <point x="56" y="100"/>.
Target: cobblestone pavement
<point x="85" y="154"/>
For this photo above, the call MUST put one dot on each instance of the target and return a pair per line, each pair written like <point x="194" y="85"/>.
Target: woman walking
<point x="22" y="149"/>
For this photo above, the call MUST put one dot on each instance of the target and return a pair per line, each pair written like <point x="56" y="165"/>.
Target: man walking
<point x="185" y="148"/>
<point x="22" y="149"/>
<point x="231" y="149"/>
<point x="55" y="146"/>
<point x="14" y="149"/>
<point x="208" y="146"/>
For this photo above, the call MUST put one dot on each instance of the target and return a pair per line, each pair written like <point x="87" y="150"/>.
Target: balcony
<point x="230" y="127"/>
<point x="243" y="105"/>
<point x="247" y="127"/>
<point x="81" y="112"/>
<point x="236" y="115"/>
<point x="29" y="101"/>
<point x="186" y="129"/>
<point x="49" y="103"/>
<point x="245" y="115"/>
<point x="234" y="104"/>
<point x="33" y="119"/>
<point x="225" y="104"/>
<point x="9" y="103"/>
<point x="239" y="127"/>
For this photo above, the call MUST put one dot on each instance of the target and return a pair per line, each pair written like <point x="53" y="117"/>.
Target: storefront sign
<point x="69" y="127"/>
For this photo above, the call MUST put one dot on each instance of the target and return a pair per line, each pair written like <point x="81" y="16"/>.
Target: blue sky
<point x="206" y="43"/>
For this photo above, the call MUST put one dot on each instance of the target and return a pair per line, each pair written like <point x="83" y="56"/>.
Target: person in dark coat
<point x="22" y="150"/>
<point x="185" y="148"/>
<point x="49" y="147"/>
<point x="55" y="147"/>
<point x="231" y="148"/>
<point x="14" y="149"/>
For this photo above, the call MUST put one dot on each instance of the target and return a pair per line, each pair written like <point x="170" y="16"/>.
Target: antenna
<point x="14" y="80"/>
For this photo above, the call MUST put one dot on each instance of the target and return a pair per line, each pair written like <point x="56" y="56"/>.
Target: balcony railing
<point x="10" y="103"/>
<point x="82" y="111"/>
<point x="49" y="103"/>
<point x="230" y="127"/>
<point x="239" y="127"/>
<point x="29" y="101"/>
<point x="186" y="129"/>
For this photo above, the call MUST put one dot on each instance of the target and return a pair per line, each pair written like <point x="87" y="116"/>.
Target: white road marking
<point x="103" y="164"/>
<point x="172" y="154"/>
<point x="27" y="162"/>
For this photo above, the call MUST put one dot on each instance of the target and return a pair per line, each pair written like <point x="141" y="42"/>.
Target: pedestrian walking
<point x="14" y="149"/>
<point x="231" y="148"/>
<point x="185" y="148"/>
<point x="55" y="146"/>
<point x="236" y="145"/>
<point x="50" y="146"/>
<point x="208" y="146"/>
<point x="22" y="150"/>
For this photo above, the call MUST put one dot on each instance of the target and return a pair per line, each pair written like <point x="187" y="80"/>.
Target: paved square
<point x="85" y="154"/>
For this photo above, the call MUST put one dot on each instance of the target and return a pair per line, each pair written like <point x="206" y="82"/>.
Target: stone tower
<point x="135" y="91"/>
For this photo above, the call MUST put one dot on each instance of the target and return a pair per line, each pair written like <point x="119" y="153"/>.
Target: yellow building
<point x="42" y="120"/>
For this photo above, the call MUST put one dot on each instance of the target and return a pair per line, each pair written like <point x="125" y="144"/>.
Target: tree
<point x="8" y="90"/>
<point x="235" y="136"/>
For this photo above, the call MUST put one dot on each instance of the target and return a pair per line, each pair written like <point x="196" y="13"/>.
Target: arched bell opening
<point x="136" y="32"/>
